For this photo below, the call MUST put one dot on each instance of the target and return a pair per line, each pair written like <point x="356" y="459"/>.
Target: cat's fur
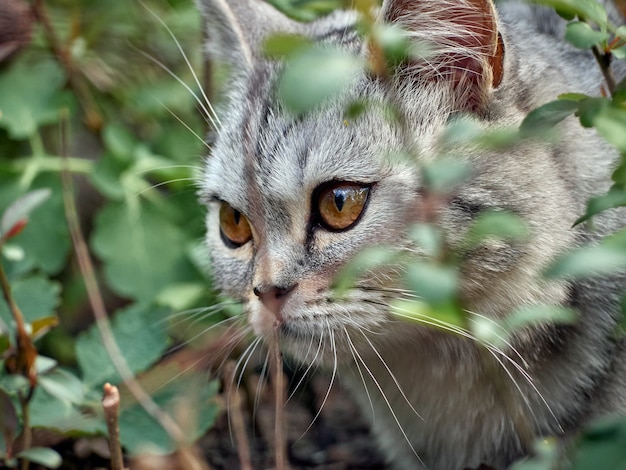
<point x="474" y="407"/>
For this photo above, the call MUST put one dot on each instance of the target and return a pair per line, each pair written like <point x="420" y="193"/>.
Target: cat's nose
<point x="273" y="297"/>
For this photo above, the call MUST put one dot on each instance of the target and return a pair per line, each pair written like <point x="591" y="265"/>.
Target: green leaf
<point x="619" y="52"/>
<point x="615" y="197"/>
<point x="547" y="116"/>
<point x="315" y="76"/>
<point x="590" y="109"/>
<point x="611" y="125"/>
<point x="368" y="259"/>
<point x="63" y="385"/>
<point x="582" y="36"/>
<point x="142" y="250"/>
<point x="36" y="101"/>
<point x="36" y="296"/>
<point x="48" y="411"/>
<point x="584" y="9"/>
<point x="538" y="315"/>
<point x="21" y="209"/>
<point x="140" y="433"/>
<point x="45" y="456"/>
<point x="432" y="283"/>
<point x="45" y="241"/>
<point x="500" y="225"/>
<point x="445" y="175"/>
<point x="444" y="316"/>
<point x="282" y="46"/>
<point x="428" y="238"/>
<point x="182" y="296"/>
<point x="587" y="262"/>
<point x="140" y="336"/>
<point x="603" y="445"/>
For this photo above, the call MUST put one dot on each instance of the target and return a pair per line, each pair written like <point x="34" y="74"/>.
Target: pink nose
<point x="273" y="298"/>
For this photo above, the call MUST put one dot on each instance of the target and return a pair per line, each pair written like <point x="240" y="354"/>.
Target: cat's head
<point x="292" y="199"/>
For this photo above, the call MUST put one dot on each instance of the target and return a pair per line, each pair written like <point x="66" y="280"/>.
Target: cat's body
<point x="271" y="169"/>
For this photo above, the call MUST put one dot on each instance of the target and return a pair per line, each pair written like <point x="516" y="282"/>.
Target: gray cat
<point x="292" y="199"/>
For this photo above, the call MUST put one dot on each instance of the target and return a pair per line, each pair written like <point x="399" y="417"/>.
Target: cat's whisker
<point x="179" y="317"/>
<point x="184" y="124"/>
<point x="205" y="331"/>
<point x="309" y="367"/>
<point x="260" y="384"/>
<point x="393" y="377"/>
<point x="247" y="355"/>
<point x="358" y="366"/>
<point x="208" y="110"/>
<point x="388" y="403"/>
<point x="330" y="385"/>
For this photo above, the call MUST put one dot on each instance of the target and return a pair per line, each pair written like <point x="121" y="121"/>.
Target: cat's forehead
<point x="266" y="151"/>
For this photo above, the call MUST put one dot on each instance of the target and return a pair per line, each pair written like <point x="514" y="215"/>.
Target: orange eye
<point x="234" y="227"/>
<point x="341" y="204"/>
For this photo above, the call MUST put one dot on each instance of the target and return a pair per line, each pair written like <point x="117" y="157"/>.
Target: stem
<point x="27" y="436"/>
<point x="604" y="61"/>
<point x="233" y="400"/>
<point x="78" y="84"/>
<point x="278" y="380"/>
<point x="100" y="313"/>
<point x="111" y="407"/>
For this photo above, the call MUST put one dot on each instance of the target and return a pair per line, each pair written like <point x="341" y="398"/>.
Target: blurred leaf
<point x="603" y="445"/>
<point x="143" y="252"/>
<point x="611" y="124"/>
<point x="42" y="325"/>
<point x="538" y="315"/>
<point x="106" y="177"/>
<point x="547" y="116"/>
<point x="573" y="96"/>
<point x="315" y="76"/>
<point x="615" y="197"/>
<point x="368" y="259"/>
<point x="120" y="142"/>
<point x="140" y="433"/>
<point x="50" y="412"/>
<point x="140" y="335"/>
<point x="36" y="101"/>
<point x="45" y="456"/>
<point x="444" y="316"/>
<point x="21" y="209"/>
<point x="582" y="36"/>
<point x="432" y="283"/>
<point x="500" y="225"/>
<point x="445" y="175"/>
<point x="63" y="385"/>
<point x="587" y="262"/>
<point x="619" y="52"/>
<point x="590" y="109"/>
<point x="182" y="296"/>
<point x="9" y="421"/>
<point x="584" y="9"/>
<point x="36" y="296"/>
<point x="428" y="238"/>
<point x="282" y="46"/>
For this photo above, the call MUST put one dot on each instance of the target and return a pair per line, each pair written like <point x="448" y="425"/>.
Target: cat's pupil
<point x="236" y="216"/>
<point x="340" y="199"/>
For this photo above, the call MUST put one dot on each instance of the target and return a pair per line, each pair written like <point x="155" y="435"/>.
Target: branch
<point x="278" y="381"/>
<point x="111" y="407"/>
<point x="604" y="61"/>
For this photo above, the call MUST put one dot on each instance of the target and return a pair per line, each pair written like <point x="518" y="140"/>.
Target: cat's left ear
<point x="236" y="30"/>
<point x="466" y="49"/>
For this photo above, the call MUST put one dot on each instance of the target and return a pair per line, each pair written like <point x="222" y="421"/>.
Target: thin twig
<point x="280" y="397"/>
<point x="604" y="61"/>
<point x="100" y="313"/>
<point x="233" y="400"/>
<point x="92" y="116"/>
<point x="27" y="435"/>
<point x="111" y="407"/>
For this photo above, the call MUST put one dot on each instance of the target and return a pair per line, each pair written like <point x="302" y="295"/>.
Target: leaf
<point x="315" y="76"/>
<point x="432" y="283"/>
<point x="588" y="262"/>
<point x="143" y="252"/>
<point x="9" y="421"/>
<point x="140" y="433"/>
<point x="603" y="445"/>
<point x="45" y="456"/>
<point x="282" y="46"/>
<point x="45" y="241"/>
<point x="619" y="52"/>
<point x="140" y="336"/>
<point x="50" y="412"/>
<point x="182" y="296"/>
<point x="615" y="197"/>
<point x="547" y="116"/>
<point x="584" y="9"/>
<point x="445" y="175"/>
<point x="36" y="101"/>
<point x="36" y="296"/>
<point x="21" y="209"/>
<point x="443" y="316"/>
<point x="582" y="36"/>
<point x="62" y="385"/>
<point x="368" y="259"/>
<point x="538" y="315"/>
<point x="590" y="109"/>
<point x="611" y="124"/>
<point x="500" y="225"/>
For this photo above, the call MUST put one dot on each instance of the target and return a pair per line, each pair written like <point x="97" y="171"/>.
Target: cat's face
<point x="293" y="199"/>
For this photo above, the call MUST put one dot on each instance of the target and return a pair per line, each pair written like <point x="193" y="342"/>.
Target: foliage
<point x="91" y="95"/>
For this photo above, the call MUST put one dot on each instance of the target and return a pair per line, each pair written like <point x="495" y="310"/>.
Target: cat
<point x="291" y="199"/>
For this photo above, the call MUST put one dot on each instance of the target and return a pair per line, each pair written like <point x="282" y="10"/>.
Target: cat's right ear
<point x="465" y="49"/>
<point x="236" y="30"/>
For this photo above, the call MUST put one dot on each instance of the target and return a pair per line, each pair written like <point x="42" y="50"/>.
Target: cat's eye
<point x="234" y="226"/>
<point x="341" y="204"/>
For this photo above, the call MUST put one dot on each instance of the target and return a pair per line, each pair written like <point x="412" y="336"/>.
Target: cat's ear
<point x="466" y="49"/>
<point x="236" y="30"/>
